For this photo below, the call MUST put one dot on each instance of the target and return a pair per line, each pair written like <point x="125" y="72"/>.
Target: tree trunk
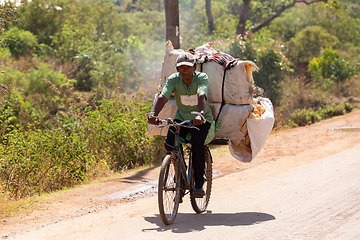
<point x="172" y="22"/>
<point x="211" y="24"/>
<point x="241" y="27"/>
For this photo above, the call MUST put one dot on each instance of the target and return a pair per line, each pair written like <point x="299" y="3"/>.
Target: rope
<point x="222" y="95"/>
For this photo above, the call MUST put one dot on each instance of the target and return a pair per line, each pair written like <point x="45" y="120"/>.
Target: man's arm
<point x="201" y="107"/>
<point x="158" y="106"/>
<point x="201" y="102"/>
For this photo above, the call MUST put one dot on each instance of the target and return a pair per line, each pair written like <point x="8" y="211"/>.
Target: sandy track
<point x="303" y="184"/>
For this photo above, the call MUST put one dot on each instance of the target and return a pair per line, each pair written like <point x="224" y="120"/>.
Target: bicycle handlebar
<point x="186" y="123"/>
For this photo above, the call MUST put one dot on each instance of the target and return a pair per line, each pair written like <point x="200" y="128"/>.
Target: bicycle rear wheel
<point x="168" y="193"/>
<point x="200" y="204"/>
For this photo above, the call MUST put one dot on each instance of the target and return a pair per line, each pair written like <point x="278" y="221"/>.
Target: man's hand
<point x="154" y="120"/>
<point x="198" y="120"/>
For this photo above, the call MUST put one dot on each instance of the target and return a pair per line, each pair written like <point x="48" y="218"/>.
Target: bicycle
<point x="176" y="177"/>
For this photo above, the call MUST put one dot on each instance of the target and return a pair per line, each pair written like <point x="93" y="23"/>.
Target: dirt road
<point x="304" y="184"/>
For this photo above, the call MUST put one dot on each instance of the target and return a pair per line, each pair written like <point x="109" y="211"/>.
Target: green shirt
<point x="186" y="97"/>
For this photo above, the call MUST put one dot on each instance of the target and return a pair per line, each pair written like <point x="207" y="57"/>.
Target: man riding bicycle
<point x="190" y="90"/>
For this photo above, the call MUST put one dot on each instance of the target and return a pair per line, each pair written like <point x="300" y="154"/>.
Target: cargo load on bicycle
<point x="242" y="119"/>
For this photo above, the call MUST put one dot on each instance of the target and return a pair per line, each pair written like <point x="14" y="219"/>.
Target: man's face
<point x="186" y="72"/>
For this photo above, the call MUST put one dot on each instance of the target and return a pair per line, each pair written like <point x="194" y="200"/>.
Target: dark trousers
<point x="198" y="148"/>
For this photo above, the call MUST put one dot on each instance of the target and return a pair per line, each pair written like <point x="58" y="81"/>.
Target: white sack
<point x="239" y="83"/>
<point x="169" y="64"/>
<point x="231" y="117"/>
<point x="215" y="73"/>
<point x="260" y="128"/>
<point x="169" y="111"/>
<point x="238" y="152"/>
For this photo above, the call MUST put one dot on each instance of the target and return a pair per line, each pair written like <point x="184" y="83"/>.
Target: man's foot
<point x="198" y="193"/>
<point x="182" y="193"/>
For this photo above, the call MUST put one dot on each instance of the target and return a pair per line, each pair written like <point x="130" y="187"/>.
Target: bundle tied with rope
<point x="231" y="96"/>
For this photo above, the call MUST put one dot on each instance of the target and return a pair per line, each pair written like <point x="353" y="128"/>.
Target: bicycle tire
<point x="168" y="193"/>
<point x="199" y="205"/>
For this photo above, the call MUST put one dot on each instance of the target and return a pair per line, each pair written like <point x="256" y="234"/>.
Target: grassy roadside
<point x="10" y="207"/>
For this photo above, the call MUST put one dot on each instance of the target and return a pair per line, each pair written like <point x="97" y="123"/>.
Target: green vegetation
<point x="330" y="65"/>
<point x="303" y="117"/>
<point x="86" y="144"/>
<point x="72" y="73"/>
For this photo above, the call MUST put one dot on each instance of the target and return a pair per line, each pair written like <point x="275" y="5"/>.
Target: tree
<point x="172" y="22"/>
<point x="241" y="27"/>
<point x="42" y="18"/>
<point x="211" y="24"/>
<point x="309" y="42"/>
<point x="8" y="14"/>
<point x="243" y="17"/>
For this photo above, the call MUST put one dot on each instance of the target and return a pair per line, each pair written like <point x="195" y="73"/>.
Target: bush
<point x="115" y="130"/>
<point x="13" y="78"/>
<point x="38" y="161"/>
<point x="273" y="67"/>
<point x="303" y="117"/>
<point x="330" y="67"/>
<point x="20" y="42"/>
<point x="5" y="55"/>
<point x="45" y="81"/>
<point x="15" y="112"/>
<point x="107" y="137"/>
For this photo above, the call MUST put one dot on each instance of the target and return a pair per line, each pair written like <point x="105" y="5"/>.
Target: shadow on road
<point x="188" y="222"/>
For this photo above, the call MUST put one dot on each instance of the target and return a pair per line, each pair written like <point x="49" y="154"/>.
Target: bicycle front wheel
<point x="168" y="193"/>
<point x="200" y="204"/>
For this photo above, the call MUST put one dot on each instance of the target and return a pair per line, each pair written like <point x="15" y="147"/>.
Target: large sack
<point x="239" y="85"/>
<point x="257" y="128"/>
<point x="231" y="118"/>
<point x="169" y="64"/>
<point x="238" y="124"/>
<point x="241" y="123"/>
<point x="215" y="72"/>
<point x="168" y="111"/>
<point x="260" y="128"/>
